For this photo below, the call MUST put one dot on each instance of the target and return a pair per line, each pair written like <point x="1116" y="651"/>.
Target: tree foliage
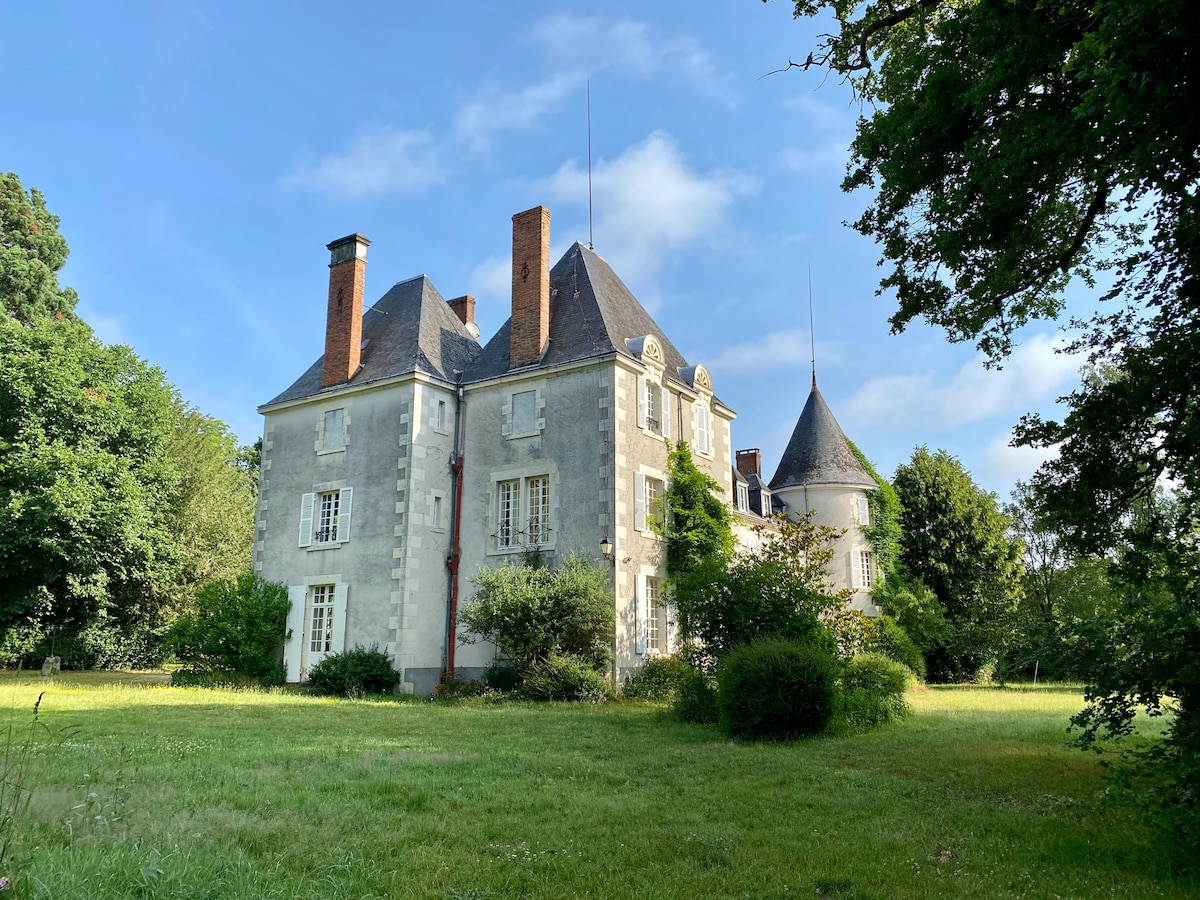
<point x="237" y="627"/>
<point x="31" y="254"/>
<point x="883" y="532"/>
<point x="955" y="543"/>
<point x="532" y="612"/>
<point x="699" y="537"/>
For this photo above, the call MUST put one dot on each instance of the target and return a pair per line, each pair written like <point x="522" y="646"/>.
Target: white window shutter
<point x="641" y="400"/>
<point x="639" y="501"/>
<point x="640" y="613"/>
<point x="345" y="501"/>
<point x="672" y="629"/>
<point x="294" y="643"/>
<point x="665" y="414"/>
<point x="855" y="570"/>
<point x="340" y="591"/>
<point x="306" y="519"/>
<point x="864" y="511"/>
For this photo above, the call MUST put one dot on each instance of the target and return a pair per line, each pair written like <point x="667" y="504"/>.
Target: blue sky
<point x="201" y="155"/>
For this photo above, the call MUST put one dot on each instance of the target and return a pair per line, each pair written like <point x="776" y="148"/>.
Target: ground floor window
<point x="320" y="631"/>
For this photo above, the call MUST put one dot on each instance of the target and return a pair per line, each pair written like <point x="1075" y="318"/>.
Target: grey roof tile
<point x="818" y="452"/>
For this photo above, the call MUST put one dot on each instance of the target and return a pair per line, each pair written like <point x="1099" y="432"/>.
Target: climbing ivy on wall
<point x="884" y="531"/>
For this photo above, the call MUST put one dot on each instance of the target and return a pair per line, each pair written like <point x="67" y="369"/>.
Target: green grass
<point x="241" y="794"/>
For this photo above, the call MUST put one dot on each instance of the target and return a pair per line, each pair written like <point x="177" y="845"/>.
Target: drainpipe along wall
<point x="452" y="561"/>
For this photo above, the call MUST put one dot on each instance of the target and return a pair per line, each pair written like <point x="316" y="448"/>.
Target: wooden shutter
<point x="864" y="511"/>
<point x="639" y="617"/>
<point x="344" y="504"/>
<point x="639" y="501"/>
<point x="293" y="644"/>
<point x="340" y="592"/>
<point x="664" y="415"/>
<point x="306" y="519"/>
<point x="641" y="401"/>
<point x="855" y="570"/>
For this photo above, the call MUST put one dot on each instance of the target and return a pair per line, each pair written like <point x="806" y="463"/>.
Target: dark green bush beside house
<point x="361" y="670"/>
<point x="776" y="690"/>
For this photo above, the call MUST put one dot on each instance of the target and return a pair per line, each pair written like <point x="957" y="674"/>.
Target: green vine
<point x="883" y="533"/>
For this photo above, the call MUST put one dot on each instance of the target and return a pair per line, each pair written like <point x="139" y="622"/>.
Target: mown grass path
<point x="221" y="794"/>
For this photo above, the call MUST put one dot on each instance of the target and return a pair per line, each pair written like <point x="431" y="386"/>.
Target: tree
<point x="237" y="627"/>
<point x="85" y="477"/>
<point x="532" y="612"/>
<point x="31" y="254"/>
<point x="955" y="543"/>
<point x="697" y="528"/>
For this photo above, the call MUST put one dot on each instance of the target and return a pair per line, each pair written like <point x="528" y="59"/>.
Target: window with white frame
<point x="435" y="512"/>
<point x="654" y="610"/>
<point x="333" y="430"/>
<point x="325" y="517"/>
<point x="320" y="619"/>
<point x="864" y="570"/>
<point x="439" y="416"/>
<point x="653" y="406"/>
<point x="647" y="505"/>
<point x="864" y="512"/>
<point x="743" y="498"/>
<point x="523" y="512"/>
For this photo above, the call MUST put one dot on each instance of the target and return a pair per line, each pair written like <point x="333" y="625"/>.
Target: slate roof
<point x="411" y="328"/>
<point x="818" y="452"/>
<point x="592" y="313"/>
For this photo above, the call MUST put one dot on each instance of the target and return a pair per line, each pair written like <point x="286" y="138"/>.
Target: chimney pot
<point x="749" y="462"/>
<point x="343" y="318"/>
<point x="464" y="308"/>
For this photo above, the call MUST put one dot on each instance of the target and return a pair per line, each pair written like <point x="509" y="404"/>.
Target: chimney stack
<point x="749" y="462"/>
<point x="343" y="321"/>
<point x="530" y="287"/>
<point x="464" y="308"/>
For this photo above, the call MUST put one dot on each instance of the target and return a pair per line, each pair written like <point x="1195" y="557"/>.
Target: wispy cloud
<point x="494" y="111"/>
<point x="378" y="160"/>
<point x="830" y="130"/>
<point x="1007" y="464"/>
<point x="775" y="350"/>
<point x="650" y="203"/>
<point x="1036" y="371"/>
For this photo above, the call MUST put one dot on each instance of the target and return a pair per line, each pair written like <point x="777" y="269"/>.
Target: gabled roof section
<point x="818" y="452"/>
<point x="411" y="328"/>
<point x="592" y="313"/>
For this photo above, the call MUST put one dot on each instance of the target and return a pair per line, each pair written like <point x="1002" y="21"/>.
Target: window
<point x="864" y="573"/>
<point x="320" y="630"/>
<point x="646" y="492"/>
<point x="864" y="512"/>
<point x="743" y="498"/>
<point x="654" y="407"/>
<point x="524" y="412"/>
<point x="653" y="613"/>
<point x="439" y="416"/>
<point x="333" y="434"/>
<point x="523" y="512"/>
<point x="435" y="515"/>
<point x="703" y="430"/>
<point x="325" y="517"/>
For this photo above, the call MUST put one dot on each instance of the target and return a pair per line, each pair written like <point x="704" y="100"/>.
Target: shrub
<point x="562" y="677"/>
<point x="696" y="699"/>
<point x="361" y="670"/>
<point x="237" y="627"/>
<point x="501" y="676"/>
<point x="776" y="690"/>
<point x="873" y="690"/>
<point x="658" y="678"/>
<point x="893" y="641"/>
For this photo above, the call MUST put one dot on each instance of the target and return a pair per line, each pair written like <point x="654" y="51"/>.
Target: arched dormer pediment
<point x="646" y="348"/>
<point x="697" y="377"/>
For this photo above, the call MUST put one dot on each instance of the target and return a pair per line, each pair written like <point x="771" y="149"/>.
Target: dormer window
<point x="743" y="498"/>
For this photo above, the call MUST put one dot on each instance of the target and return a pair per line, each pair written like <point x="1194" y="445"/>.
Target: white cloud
<point x="379" y="160"/>
<point x="648" y="203"/>
<point x="631" y="48"/>
<point x="495" y="111"/>
<point x="778" y="349"/>
<point x="1007" y="464"/>
<point x="492" y="277"/>
<point x="1036" y="371"/>
<point x="831" y="130"/>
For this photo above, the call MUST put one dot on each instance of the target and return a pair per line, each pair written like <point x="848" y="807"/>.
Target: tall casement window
<point x="646" y="506"/>
<point x="320" y="620"/>
<point x="325" y="517"/>
<point x="654" y="406"/>
<point x="655" y="633"/>
<point x="703" y="423"/>
<point x="862" y="569"/>
<point x="864" y="512"/>
<point x="523" y="512"/>
<point x="653" y="614"/>
<point x="743" y="498"/>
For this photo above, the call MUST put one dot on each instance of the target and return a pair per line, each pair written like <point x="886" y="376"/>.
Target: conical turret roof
<point x="818" y="452"/>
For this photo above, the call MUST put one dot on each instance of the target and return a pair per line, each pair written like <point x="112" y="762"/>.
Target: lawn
<point x="142" y="790"/>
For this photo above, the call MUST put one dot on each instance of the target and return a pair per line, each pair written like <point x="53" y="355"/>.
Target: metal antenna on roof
<point x="812" y="338"/>
<point x="589" y="137"/>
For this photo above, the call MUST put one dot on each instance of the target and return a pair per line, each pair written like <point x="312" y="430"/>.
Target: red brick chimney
<point x="749" y="462"/>
<point x="464" y="308"/>
<point x="343" y="321"/>
<point x="530" y="287"/>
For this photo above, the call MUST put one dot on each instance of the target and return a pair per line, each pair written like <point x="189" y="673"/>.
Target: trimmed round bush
<point x="696" y="699"/>
<point x="776" y="690"/>
<point x="893" y="641"/>
<point x="873" y="689"/>
<point x="562" y="677"/>
<point x="658" y="678"/>
<point x="362" y="670"/>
